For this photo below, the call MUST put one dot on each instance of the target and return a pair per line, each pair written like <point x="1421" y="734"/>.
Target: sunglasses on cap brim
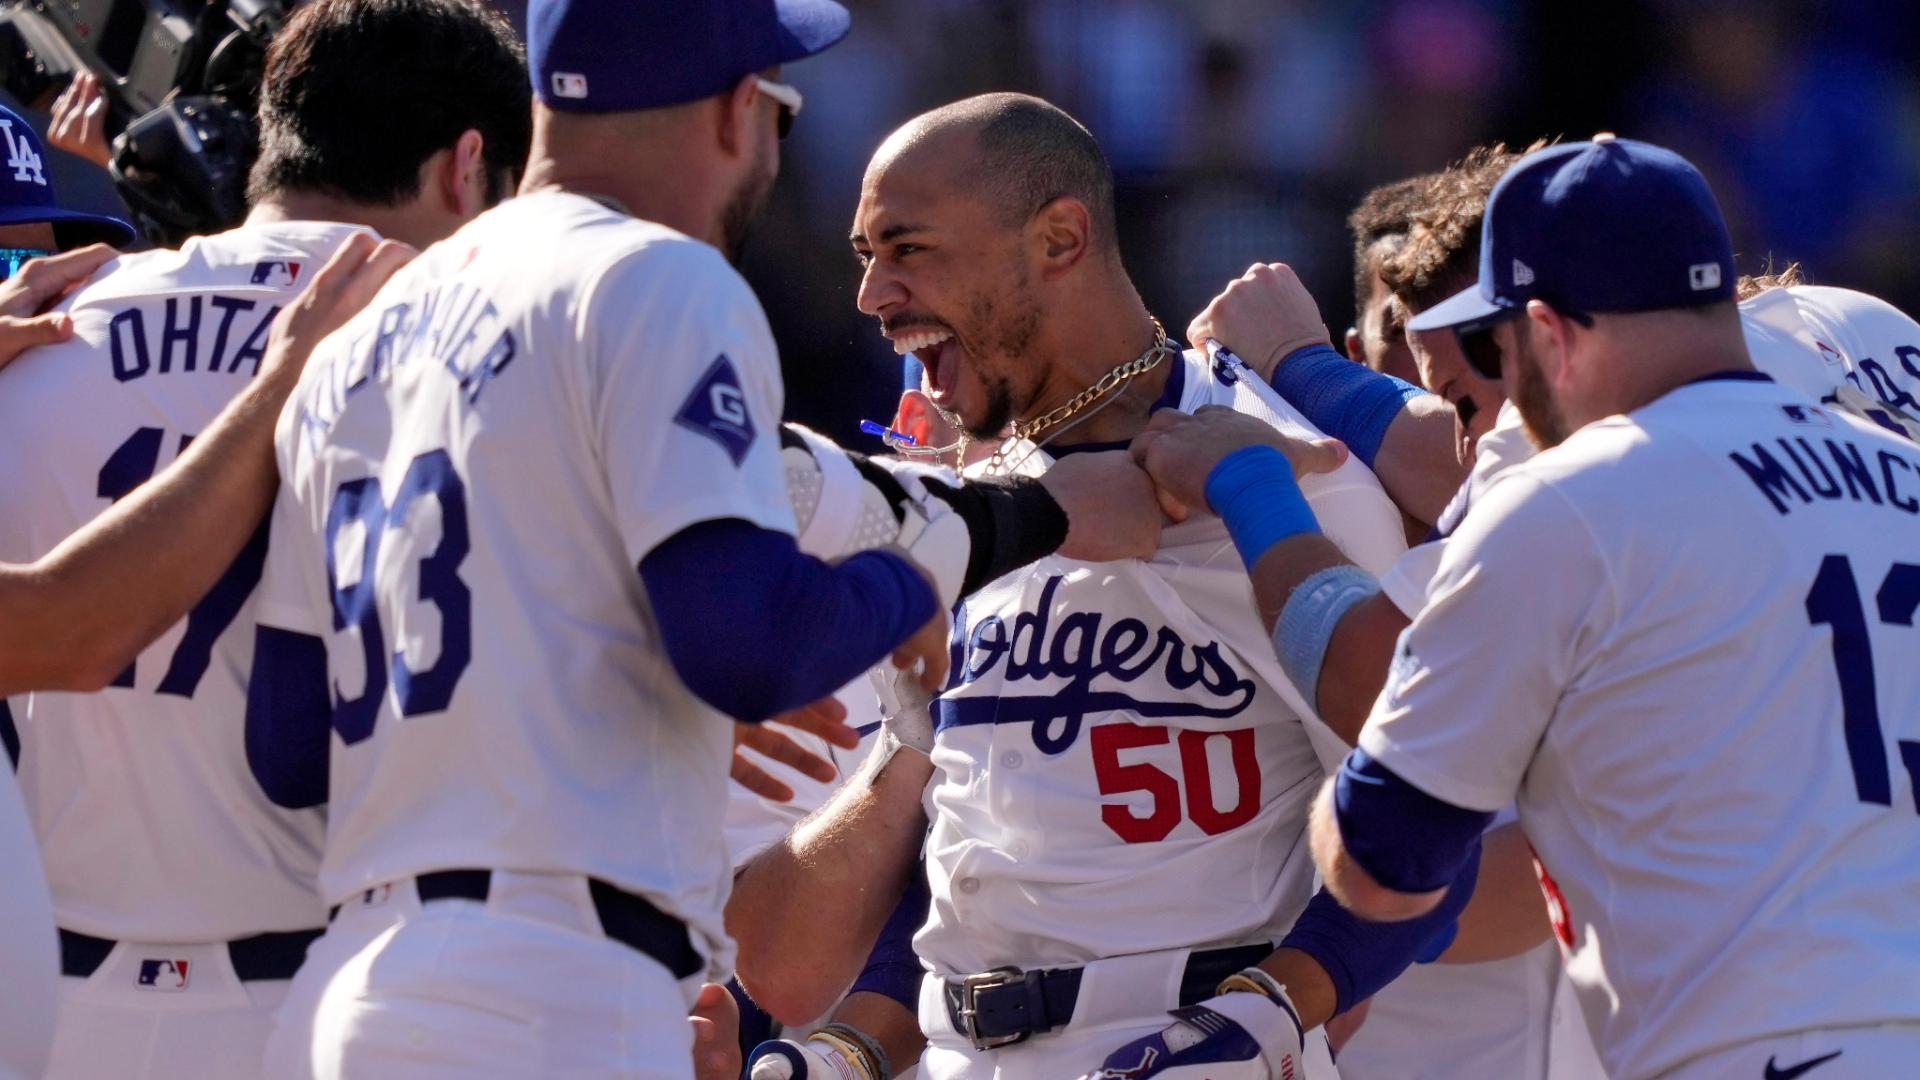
<point x="787" y="97"/>
<point x="1483" y="352"/>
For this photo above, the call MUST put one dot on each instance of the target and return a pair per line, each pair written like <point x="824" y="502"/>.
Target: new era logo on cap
<point x="162" y="975"/>
<point x="568" y="84"/>
<point x="1704" y="276"/>
<point x="1522" y="273"/>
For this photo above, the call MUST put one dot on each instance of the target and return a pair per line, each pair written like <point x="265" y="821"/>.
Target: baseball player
<point x="1631" y="241"/>
<point x="1264" y="307"/>
<point x="538" y="558"/>
<point x="185" y="899"/>
<point x="82" y="612"/>
<point x="1063" y="912"/>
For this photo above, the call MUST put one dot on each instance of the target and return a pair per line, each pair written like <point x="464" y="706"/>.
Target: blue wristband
<point x="1310" y="616"/>
<point x="1349" y="401"/>
<point x="1254" y="492"/>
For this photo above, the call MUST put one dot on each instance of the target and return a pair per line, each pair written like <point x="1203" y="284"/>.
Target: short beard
<point x="1538" y="414"/>
<point x="743" y="207"/>
<point x="999" y="411"/>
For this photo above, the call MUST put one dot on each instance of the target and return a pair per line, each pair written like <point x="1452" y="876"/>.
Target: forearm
<point x="1358" y="957"/>
<point x="1507" y="915"/>
<point x="1418" y="462"/>
<point x="83" y="611"/>
<point x="1336" y="636"/>
<point x="807" y="911"/>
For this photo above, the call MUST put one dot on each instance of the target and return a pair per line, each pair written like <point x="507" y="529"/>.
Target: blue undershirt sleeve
<point x="755" y="627"/>
<point x="1362" y="957"/>
<point x="1347" y="400"/>
<point x="289" y="719"/>
<point x="1404" y="838"/>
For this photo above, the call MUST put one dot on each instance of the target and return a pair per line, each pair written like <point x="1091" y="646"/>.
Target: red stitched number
<point x="1114" y="778"/>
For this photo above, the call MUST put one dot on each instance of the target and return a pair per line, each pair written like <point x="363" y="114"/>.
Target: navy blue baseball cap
<point x="26" y="195"/>
<point x="623" y="55"/>
<point x="1607" y="225"/>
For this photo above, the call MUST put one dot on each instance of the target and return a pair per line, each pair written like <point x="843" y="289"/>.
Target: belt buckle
<point x="970" y="988"/>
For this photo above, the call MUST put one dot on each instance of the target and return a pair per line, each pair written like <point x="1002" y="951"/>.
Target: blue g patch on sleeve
<point x="718" y="409"/>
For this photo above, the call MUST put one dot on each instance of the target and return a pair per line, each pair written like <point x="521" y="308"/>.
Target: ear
<point x="1062" y="231"/>
<point x="737" y="129"/>
<point x="914" y="417"/>
<point x="1553" y="338"/>
<point x="463" y="180"/>
<point x="1353" y="346"/>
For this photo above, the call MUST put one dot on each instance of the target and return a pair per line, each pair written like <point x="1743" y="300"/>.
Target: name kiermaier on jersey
<point x="1081" y="648"/>
<point x="1836" y="468"/>
<point x="449" y="323"/>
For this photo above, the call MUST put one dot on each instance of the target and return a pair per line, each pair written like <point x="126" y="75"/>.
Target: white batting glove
<point x="1236" y="1036"/>
<point x="784" y="1059"/>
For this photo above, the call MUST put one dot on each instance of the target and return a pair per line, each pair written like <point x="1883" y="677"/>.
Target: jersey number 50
<point x="1834" y="601"/>
<point x="357" y="604"/>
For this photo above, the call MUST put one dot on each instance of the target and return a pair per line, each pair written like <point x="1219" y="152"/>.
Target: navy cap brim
<point x="1462" y="308"/>
<point x="809" y="26"/>
<point x="72" y="228"/>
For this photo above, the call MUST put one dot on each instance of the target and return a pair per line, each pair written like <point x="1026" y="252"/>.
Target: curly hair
<point x="1385" y="214"/>
<point x="1752" y="285"/>
<point x="1441" y="254"/>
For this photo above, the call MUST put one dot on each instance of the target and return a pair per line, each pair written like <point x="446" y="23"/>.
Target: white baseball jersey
<point x="1840" y="347"/>
<point x="1706" y="755"/>
<point x="150" y="823"/>
<point x="1120" y="741"/>
<point x="474" y="467"/>
<point x="836" y="514"/>
<point x="27" y="946"/>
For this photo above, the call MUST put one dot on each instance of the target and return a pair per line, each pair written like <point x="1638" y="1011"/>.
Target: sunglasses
<point x="786" y="97"/>
<point x="11" y="259"/>
<point x="1483" y="352"/>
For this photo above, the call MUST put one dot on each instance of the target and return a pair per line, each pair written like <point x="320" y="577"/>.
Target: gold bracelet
<point x="1253" y="981"/>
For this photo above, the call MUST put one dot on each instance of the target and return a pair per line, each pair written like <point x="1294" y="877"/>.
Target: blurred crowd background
<point x="1246" y="130"/>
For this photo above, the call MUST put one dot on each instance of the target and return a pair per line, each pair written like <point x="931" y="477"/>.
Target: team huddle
<point x="433" y="656"/>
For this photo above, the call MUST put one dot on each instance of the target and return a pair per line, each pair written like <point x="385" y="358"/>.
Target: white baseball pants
<point x="523" y="985"/>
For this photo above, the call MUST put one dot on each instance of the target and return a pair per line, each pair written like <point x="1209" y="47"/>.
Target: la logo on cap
<point x="568" y="84"/>
<point x="21" y="157"/>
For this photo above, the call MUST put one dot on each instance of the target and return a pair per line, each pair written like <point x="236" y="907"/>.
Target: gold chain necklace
<point x="1030" y="430"/>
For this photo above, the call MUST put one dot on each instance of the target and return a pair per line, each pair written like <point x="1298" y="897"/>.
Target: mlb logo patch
<point x="276" y="272"/>
<point x="1704" y="276"/>
<point x="568" y="84"/>
<point x="162" y="975"/>
<point x="717" y="409"/>
<point x="1808" y="415"/>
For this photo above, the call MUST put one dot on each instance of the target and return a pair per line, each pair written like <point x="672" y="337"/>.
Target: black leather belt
<point x="1006" y="1005"/>
<point x="624" y="917"/>
<point x="262" y="956"/>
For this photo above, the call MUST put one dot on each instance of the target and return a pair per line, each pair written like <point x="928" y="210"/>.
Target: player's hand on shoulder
<point x="716" y="1034"/>
<point x="1179" y="450"/>
<point x="1262" y="316"/>
<point x="1241" y="1035"/>
<point x="1110" y="506"/>
<point x="343" y="286"/>
<point x="37" y="286"/>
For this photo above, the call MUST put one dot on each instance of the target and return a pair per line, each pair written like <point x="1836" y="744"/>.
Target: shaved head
<point x="1016" y="152"/>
